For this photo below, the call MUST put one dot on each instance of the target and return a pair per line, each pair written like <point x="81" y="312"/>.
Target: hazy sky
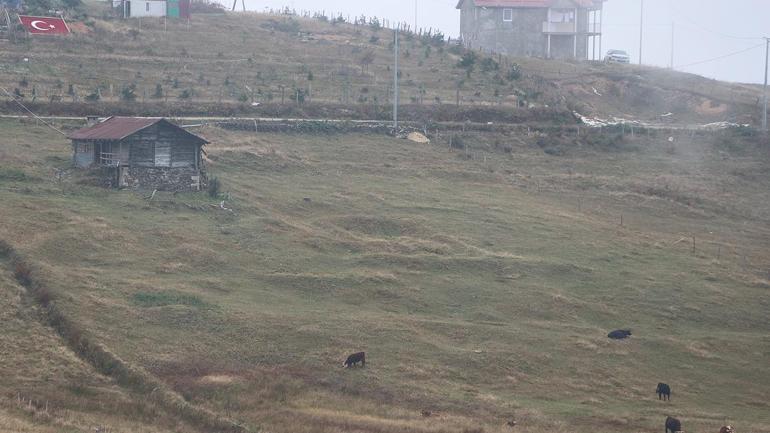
<point x="703" y="29"/>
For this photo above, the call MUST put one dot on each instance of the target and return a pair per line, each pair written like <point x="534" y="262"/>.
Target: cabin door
<point x="122" y="177"/>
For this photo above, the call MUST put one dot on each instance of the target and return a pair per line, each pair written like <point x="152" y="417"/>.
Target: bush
<point x="489" y="64"/>
<point x="23" y="274"/>
<point x="162" y="299"/>
<point x="12" y="174"/>
<point x="214" y="187"/>
<point x="514" y="74"/>
<point x="128" y="93"/>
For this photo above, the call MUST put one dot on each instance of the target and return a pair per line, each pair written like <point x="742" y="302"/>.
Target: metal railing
<point x="559" y="27"/>
<point x="109" y="159"/>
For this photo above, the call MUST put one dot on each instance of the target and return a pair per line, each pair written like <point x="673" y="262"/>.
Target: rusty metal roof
<point x="528" y="3"/>
<point x="118" y="128"/>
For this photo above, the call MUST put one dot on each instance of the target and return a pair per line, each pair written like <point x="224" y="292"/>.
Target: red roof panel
<point x="118" y="128"/>
<point x="527" y="3"/>
<point x="114" y="128"/>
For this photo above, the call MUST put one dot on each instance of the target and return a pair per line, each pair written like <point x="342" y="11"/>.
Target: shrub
<point x="489" y="64"/>
<point x="23" y="274"/>
<point x="162" y="299"/>
<point x="128" y="93"/>
<point x="214" y="187"/>
<point x="514" y="73"/>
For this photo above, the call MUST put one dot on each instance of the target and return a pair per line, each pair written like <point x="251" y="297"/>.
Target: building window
<point x="84" y="148"/>
<point x="147" y="6"/>
<point x="508" y="15"/>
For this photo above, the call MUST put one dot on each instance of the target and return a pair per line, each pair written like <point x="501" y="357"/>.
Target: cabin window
<point x="147" y="6"/>
<point x="84" y="148"/>
<point x="507" y="15"/>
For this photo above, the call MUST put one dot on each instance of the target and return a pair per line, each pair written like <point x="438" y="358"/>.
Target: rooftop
<point x="530" y="3"/>
<point x="118" y="128"/>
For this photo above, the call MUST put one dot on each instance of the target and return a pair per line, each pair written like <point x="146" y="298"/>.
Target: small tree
<point x="94" y="96"/>
<point x="468" y="62"/>
<point x="489" y="64"/>
<point x="158" y="91"/>
<point x="128" y="93"/>
<point x="514" y="74"/>
<point x="365" y="60"/>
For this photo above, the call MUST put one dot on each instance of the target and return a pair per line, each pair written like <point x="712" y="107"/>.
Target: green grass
<point x="481" y="289"/>
<point x="164" y="299"/>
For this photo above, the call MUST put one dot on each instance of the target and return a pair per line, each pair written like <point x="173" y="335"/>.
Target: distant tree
<point x="489" y="64"/>
<point x="514" y="73"/>
<point x="128" y="93"/>
<point x="375" y="24"/>
<point x="468" y="62"/>
<point x="158" y="91"/>
<point x="366" y="59"/>
<point x="94" y="96"/>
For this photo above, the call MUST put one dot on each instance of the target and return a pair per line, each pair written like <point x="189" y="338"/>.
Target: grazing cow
<point x="619" y="334"/>
<point x="727" y="429"/>
<point x="355" y="359"/>
<point x="511" y="423"/>
<point x="673" y="425"/>
<point x="664" y="391"/>
<point x="426" y="413"/>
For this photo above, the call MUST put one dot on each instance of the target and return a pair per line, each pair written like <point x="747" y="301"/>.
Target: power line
<point x="16" y="100"/>
<point x="709" y="30"/>
<point x="721" y="57"/>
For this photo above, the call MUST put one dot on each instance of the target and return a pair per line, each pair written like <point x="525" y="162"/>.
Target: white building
<point x="142" y="8"/>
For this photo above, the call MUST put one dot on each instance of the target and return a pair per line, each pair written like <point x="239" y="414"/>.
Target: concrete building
<point x="152" y="8"/>
<point x="560" y="29"/>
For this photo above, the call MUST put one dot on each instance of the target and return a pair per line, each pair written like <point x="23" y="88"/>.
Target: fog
<point x="703" y="29"/>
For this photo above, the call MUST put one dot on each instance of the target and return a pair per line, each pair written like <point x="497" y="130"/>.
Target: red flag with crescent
<point x="44" y="25"/>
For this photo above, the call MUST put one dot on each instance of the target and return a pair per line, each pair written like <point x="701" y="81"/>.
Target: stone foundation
<point x="164" y="179"/>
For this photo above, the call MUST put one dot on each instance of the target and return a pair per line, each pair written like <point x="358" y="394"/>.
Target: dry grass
<point x="482" y="289"/>
<point x="253" y="61"/>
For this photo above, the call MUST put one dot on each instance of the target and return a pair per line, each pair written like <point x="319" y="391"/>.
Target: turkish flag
<point x="44" y="25"/>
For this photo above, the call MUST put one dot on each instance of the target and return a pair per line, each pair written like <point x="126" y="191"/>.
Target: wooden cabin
<point x="142" y="153"/>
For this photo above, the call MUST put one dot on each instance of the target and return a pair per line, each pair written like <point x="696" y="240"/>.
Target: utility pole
<point x="764" y="105"/>
<point x="415" y="16"/>
<point x="672" y="45"/>
<point x="395" y="83"/>
<point x="641" y="32"/>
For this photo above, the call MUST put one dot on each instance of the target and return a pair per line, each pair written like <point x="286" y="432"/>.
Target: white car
<point x="617" y="56"/>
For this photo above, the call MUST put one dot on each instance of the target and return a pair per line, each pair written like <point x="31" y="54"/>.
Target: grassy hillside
<point x="480" y="282"/>
<point x="236" y="59"/>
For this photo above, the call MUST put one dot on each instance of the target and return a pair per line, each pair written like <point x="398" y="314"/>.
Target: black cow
<point x="619" y="334"/>
<point x="355" y="359"/>
<point x="664" y="391"/>
<point x="673" y="425"/>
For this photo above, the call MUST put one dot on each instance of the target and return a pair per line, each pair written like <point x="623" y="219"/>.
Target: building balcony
<point x="560" y="28"/>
